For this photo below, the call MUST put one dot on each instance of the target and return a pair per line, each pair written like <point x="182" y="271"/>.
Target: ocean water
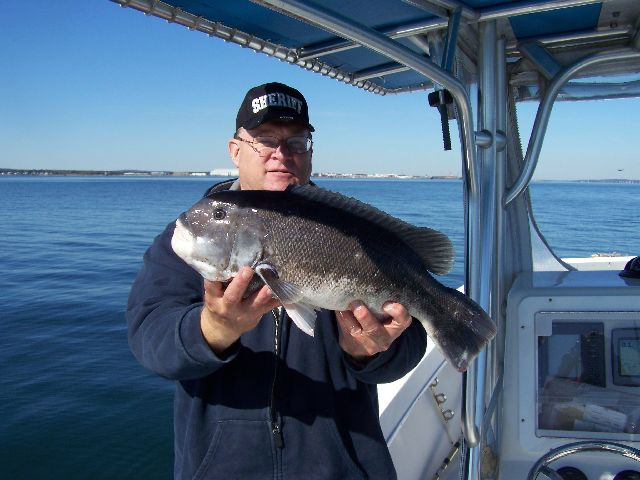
<point x="75" y="404"/>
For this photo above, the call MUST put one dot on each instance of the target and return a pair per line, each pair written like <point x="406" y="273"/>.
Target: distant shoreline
<point x="149" y="173"/>
<point x="216" y="174"/>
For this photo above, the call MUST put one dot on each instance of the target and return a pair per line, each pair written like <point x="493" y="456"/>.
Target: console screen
<point x="629" y="351"/>
<point x="625" y="356"/>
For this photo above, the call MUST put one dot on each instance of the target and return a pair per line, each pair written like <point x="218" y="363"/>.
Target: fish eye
<point x="219" y="214"/>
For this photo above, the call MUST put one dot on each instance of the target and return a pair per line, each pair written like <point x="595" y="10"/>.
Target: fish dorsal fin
<point x="433" y="247"/>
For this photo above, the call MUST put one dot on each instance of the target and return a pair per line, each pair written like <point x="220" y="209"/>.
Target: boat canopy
<point x="542" y="36"/>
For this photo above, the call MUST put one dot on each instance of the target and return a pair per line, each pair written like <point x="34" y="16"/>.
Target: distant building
<point x="224" y="172"/>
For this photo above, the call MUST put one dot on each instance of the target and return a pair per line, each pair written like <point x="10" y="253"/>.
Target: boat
<point x="556" y="394"/>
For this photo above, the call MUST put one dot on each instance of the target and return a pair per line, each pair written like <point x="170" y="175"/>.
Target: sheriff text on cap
<point x="272" y="102"/>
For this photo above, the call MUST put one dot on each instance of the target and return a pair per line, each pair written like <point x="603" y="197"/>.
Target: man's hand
<point x="226" y="315"/>
<point x="362" y="334"/>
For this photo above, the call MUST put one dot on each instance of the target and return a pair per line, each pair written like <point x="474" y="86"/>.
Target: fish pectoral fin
<point x="303" y="315"/>
<point x="266" y="271"/>
<point x="291" y="297"/>
<point x="286" y="292"/>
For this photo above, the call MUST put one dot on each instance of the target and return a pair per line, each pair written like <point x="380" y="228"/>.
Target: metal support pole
<point x="480" y="264"/>
<point x="449" y="53"/>
<point x="498" y="287"/>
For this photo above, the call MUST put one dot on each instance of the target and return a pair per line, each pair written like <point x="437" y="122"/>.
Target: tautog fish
<point x="319" y="249"/>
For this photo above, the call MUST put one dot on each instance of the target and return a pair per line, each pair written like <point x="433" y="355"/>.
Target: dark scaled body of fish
<point x="319" y="249"/>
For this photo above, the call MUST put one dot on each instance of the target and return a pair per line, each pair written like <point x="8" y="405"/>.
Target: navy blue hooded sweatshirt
<point x="279" y="404"/>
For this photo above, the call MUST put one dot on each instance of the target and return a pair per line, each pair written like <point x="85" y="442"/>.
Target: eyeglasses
<point x="265" y="146"/>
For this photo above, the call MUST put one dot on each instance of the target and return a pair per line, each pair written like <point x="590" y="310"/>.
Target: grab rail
<point x="544" y="112"/>
<point x="373" y="40"/>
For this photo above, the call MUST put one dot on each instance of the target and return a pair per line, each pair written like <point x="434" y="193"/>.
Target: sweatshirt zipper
<point x="276" y="427"/>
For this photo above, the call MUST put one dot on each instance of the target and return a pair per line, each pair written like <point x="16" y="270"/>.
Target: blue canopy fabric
<point x="412" y="23"/>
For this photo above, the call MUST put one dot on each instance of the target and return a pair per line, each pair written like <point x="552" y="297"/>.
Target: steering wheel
<point x="542" y="465"/>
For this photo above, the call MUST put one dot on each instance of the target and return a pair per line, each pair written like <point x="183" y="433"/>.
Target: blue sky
<point x="86" y="84"/>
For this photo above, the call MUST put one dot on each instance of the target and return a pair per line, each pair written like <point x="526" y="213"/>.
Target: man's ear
<point x="234" y="151"/>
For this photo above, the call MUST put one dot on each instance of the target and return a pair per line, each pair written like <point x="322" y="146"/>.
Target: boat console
<point x="572" y="377"/>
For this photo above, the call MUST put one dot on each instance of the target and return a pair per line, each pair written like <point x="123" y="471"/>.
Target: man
<point x="255" y="396"/>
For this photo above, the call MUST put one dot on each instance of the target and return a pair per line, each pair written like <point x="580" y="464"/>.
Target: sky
<point x="89" y="85"/>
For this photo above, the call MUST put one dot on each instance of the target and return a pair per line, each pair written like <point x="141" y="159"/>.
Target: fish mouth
<point x="182" y="239"/>
<point x="185" y="244"/>
<point x="182" y="221"/>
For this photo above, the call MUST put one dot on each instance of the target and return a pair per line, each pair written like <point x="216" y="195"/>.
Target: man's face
<point x="276" y="170"/>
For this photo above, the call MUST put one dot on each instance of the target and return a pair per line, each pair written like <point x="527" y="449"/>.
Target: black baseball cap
<point x="272" y="101"/>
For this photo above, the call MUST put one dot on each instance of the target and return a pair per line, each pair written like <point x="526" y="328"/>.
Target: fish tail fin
<point x="461" y="330"/>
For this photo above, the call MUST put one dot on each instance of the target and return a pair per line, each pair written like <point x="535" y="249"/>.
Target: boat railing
<point x="544" y="111"/>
